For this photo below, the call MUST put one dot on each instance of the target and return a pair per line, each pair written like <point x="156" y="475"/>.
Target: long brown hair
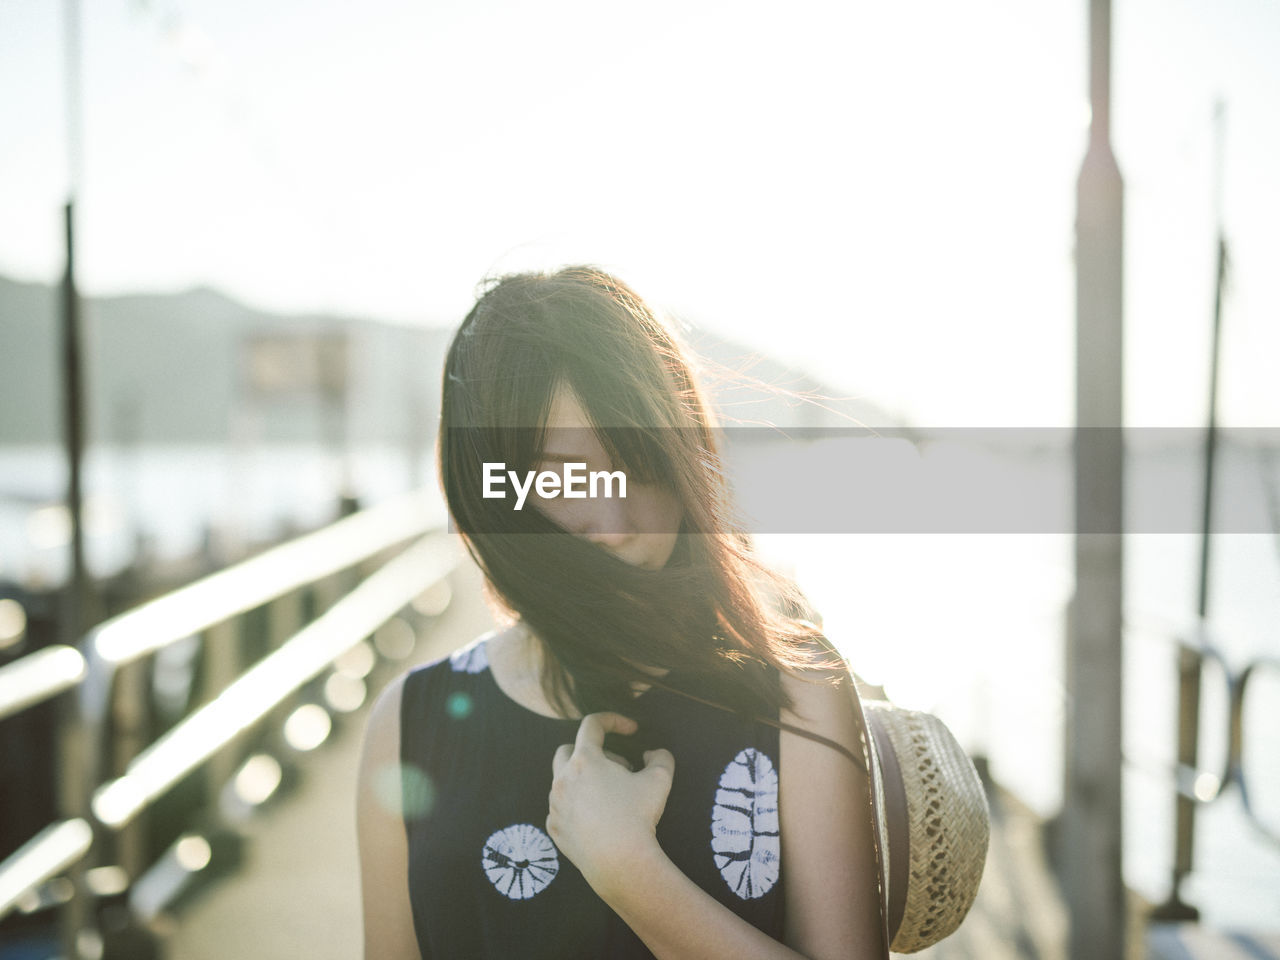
<point x="715" y="616"/>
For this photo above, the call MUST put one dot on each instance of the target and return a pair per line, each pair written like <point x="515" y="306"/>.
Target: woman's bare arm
<point x="828" y="852"/>
<point x="603" y="820"/>
<point x="384" y="857"/>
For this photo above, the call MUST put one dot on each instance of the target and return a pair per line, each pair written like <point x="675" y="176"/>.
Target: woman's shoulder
<point x="821" y="694"/>
<point x="437" y="677"/>
<point x="820" y="699"/>
<point x="472" y="657"/>
<point x="418" y="686"/>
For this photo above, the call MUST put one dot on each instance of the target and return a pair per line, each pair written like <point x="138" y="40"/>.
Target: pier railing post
<point x="1190" y="666"/>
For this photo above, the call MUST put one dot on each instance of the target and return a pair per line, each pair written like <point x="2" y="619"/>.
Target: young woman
<point x="626" y="768"/>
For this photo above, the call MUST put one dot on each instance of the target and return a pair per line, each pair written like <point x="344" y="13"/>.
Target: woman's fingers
<point x="562" y="755"/>
<point x="591" y="734"/>
<point x="660" y="760"/>
<point x="595" y="725"/>
<point x="598" y="816"/>
<point x="620" y="761"/>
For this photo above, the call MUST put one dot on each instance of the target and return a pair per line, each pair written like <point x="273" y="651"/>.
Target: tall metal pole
<point x="1211" y="435"/>
<point x="1091" y="821"/>
<point x="1189" y="662"/>
<point x="74" y="618"/>
<point x="77" y="591"/>
<point x="77" y="930"/>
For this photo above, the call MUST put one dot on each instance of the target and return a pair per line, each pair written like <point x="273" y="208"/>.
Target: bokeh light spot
<point x="458" y="705"/>
<point x="13" y="622"/>
<point x="434" y="600"/>
<point x="356" y="662"/>
<point x="193" y="853"/>
<point x="307" y="727"/>
<point x="258" y="779"/>
<point x="344" y="693"/>
<point x="404" y="789"/>
<point x="395" y="639"/>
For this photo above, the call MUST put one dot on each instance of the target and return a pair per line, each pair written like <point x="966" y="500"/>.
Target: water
<point x="970" y="626"/>
<point x="172" y="498"/>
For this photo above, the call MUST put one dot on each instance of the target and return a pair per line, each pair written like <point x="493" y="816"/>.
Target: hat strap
<point x="895" y="814"/>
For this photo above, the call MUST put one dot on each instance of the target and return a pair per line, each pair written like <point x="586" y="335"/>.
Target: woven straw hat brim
<point x="948" y="824"/>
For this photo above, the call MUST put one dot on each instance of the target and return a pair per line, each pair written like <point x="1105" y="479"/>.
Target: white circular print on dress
<point x="520" y="861"/>
<point x="744" y="825"/>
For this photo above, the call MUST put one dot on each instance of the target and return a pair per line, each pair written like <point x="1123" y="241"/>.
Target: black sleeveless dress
<point x="485" y="879"/>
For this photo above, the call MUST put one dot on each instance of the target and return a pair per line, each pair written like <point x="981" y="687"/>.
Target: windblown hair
<point x="715" y="616"/>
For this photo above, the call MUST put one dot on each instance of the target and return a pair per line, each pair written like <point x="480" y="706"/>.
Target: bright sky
<point x="881" y="192"/>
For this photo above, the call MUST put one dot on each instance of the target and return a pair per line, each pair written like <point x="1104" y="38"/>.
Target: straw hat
<point x="934" y="824"/>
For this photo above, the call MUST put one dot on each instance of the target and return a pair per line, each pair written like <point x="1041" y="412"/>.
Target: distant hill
<point x="28" y="363"/>
<point x="170" y="368"/>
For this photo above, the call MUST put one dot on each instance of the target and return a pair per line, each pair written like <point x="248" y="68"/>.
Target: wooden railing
<point x="266" y="629"/>
<point x="1196" y="647"/>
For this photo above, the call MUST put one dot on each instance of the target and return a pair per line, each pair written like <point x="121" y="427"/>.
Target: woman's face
<point x="641" y="529"/>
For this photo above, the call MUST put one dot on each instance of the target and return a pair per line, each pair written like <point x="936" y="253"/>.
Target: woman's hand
<point x="602" y="816"/>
